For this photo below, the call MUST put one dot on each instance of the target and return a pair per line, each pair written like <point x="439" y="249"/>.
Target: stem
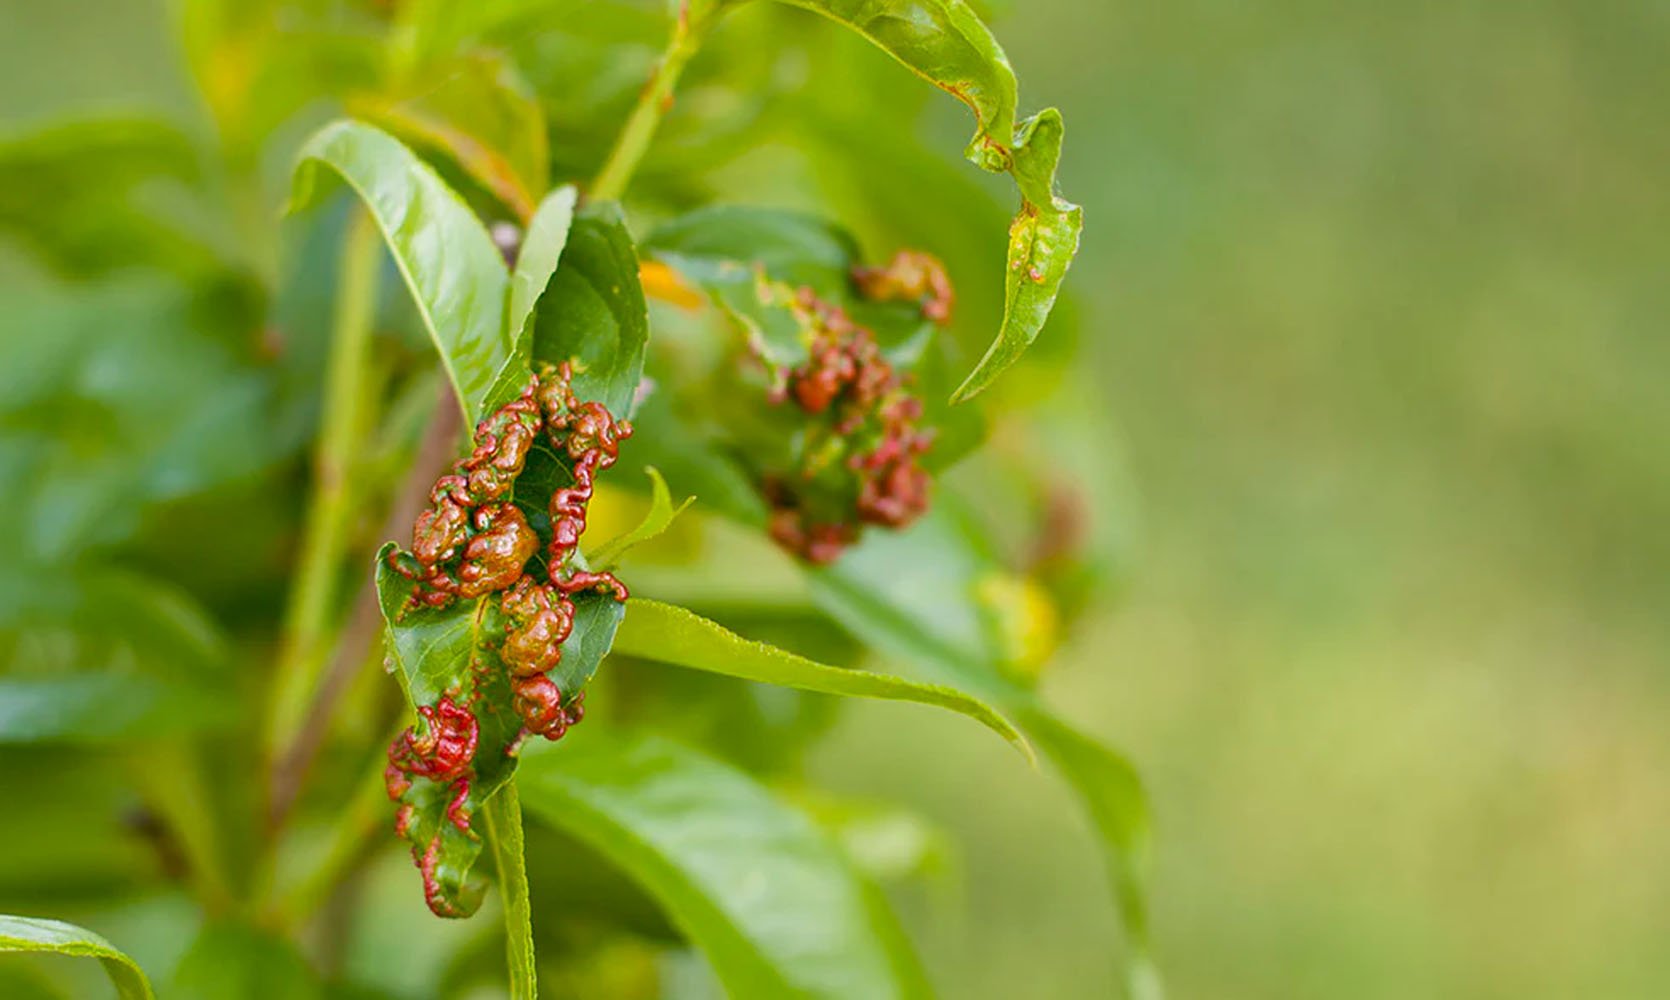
<point x="171" y="779"/>
<point x="656" y="100"/>
<point x="330" y="516"/>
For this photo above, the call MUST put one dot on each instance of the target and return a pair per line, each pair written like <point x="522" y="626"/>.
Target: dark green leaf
<point x="670" y="634"/>
<point x="757" y="886"/>
<point x="455" y="273"/>
<point x="657" y="519"/>
<point x="945" y="42"/>
<point x="503" y="821"/>
<point x="454" y="650"/>
<point x="28" y="934"/>
<point x="712" y="245"/>
<point x="594" y="313"/>
<point x="536" y="262"/>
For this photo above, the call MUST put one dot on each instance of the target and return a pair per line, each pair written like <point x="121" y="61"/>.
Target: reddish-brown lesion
<point x="473" y="542"/>
<point x="852" y="391"/>
<point x="911" y="276"/>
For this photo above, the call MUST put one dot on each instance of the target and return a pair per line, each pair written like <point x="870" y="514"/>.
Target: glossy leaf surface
<point x="454" y="272"/>
<point x="670" y="634"/>
<point x="28" y="934"/>
<point x="768" y="897"/>
<point x="593" y="311"/>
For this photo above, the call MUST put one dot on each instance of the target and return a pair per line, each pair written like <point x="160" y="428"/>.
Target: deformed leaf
<point x="766" y="894"/>
<point x="449" y="652"/>
<point x="29" y="934"/>
<point x="947" y="44"/>
<point x="658" y="519"/>
<point x="449" y="262"/>
<point x="536" y="262"/>
<point x="671" y="634"/>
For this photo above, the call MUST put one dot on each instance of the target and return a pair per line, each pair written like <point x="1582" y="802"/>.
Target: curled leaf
<point x="946" y="43"/>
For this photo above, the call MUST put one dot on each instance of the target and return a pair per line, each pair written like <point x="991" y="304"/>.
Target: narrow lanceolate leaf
<point x="658" y="519"/>
<point x="767" y="895"/>
<point x="918" y="594"/>
<point x="671" y="634"/>
<point x="453" y="270"/>
<point x="54" y="937"/>
<point x="503" y="823"/>
<point x="536" y="262"/>
<point x="449" y="651"/>
<point x="593" y="312"/>
<point x="945" y="42"/>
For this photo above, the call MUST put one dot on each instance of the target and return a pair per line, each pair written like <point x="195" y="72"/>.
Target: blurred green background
<point x="1375" y="297"/>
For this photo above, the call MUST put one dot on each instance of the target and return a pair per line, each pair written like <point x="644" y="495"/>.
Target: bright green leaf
<point x="671" y="634"/>
<point x="502" y="819"/>
<point x="28" y="934"/>
<point x="455" y="273"/>
<point x="593" y="313"/>
<point x="766" y="895"/>
<point x="657" y="520"/>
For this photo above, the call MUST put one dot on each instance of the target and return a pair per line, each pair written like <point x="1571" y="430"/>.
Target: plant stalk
<point x="689" y="31"/>
<point x="309" y="616"/>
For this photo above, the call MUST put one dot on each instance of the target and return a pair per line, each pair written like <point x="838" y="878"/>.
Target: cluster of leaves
<point x="136" y="644"/>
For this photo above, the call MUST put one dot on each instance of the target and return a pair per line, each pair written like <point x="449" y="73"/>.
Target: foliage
<point x="277" y="418"/>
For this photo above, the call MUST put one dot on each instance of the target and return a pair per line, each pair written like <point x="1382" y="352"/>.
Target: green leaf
<point x="594" y="312"/>
<point x="503" y="820"/>
<point x="28" y="934"/>
<point x="671" y="634"/>
<point x="917" y="594"/>
<point x="455" y="650"/>
<point x="659" y="518"/>
<point x="453" y="270"/>
<point x="766" y="894"/>
<point x="104" y="708"/>
<point x="536" y="262"/>
<point x="232" y="960"/>
<point x="947" y="44"/>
